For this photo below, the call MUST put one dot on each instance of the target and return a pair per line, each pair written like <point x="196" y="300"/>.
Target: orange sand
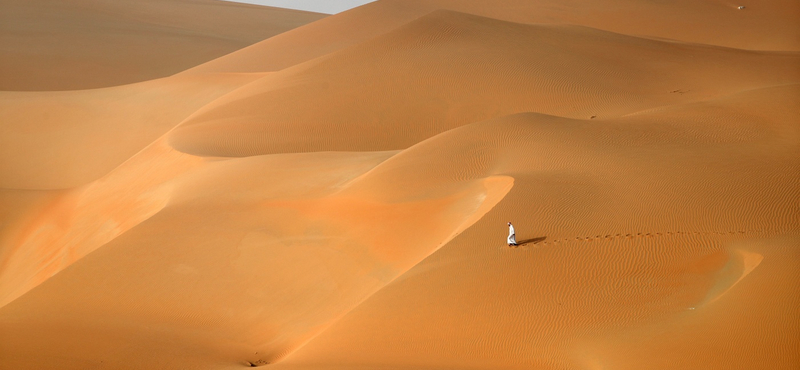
<point x="335" y="196"/>
<point x="85" y="44"/>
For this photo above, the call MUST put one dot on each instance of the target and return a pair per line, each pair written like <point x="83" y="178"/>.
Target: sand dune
<point x="590" y="273"/>
<point x="763" y="25"/>
<point x="58" y="140"/>
<point x="84" y="44"/>
<point x="335" y="197"/>
<point x="350" y="254"/>
<point x="562" y="70"/>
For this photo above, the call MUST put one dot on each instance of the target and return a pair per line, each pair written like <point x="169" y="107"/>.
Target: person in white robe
<point x="512" y="238"/>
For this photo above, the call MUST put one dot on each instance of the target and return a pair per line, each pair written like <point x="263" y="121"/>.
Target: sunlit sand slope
<point x="265" y="252"/>
<point x="761" y="25"/>
<point x="300" y="239"/>
<point x="64" y="139"/>
<point x="82" y="44"/>
<point x="603" y="208"/>
<point x="411" y="84"/>
<point x="345" y="204"/>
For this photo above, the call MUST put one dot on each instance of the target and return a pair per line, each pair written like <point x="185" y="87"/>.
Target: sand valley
<point x="197" y="184"/>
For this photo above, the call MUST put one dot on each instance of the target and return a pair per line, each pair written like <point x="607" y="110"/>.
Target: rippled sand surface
<point x="336" y="195"/>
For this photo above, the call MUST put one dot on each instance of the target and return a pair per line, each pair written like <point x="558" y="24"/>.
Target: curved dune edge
<point x="365" y="248"/>
<point x="68" y="139"/>
<point x="428" y="58"/>
<point x="737" y="268"/>
<point x="485" y="195"/>
<point x="110" y="43"/>
<point x="726" y="332"/>
<point x="496" y="188"/>
<point x="591" y="79"/>
<point x="84" y="219"/>
<point x="712" y="23"/>
<point x="349" y="211"/>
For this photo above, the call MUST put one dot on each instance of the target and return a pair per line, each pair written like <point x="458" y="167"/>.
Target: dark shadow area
<point x="533" y="240"/>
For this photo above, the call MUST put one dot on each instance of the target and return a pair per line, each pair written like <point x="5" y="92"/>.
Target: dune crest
<point x="67" y="139"/>
<point x="84" y="219"/>
<point x="60" y="45"/>
<point x="737" y="268"/>
<point x="336" y="196"/>
<point x="765" y="25"/>
<point x="567" y="71"/>
<point x="350" y="245"/>
<point x="729" y="317"/>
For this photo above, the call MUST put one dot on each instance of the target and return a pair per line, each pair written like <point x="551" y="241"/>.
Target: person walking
<point x="512" y="238"/>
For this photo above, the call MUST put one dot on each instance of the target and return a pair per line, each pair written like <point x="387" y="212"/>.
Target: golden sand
<point x="336" y="196"/>
<point x="84" y="44"/>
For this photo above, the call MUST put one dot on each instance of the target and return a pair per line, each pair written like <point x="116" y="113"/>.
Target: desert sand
<point x="336" y="195"/>
<point x="48" y="45"/>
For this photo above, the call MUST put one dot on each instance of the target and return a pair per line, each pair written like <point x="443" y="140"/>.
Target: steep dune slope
<point x="410" y="84"/>
<point x="83" y="44"/>
<point x="258" y="262"/>
<point x="347" y="209"/>
<point x="302" y="238"/>
<point x="56" y="146"/>
<point x="625" y="227"/>
<point x="65" y="139"/>
<point x="762" y="25"/>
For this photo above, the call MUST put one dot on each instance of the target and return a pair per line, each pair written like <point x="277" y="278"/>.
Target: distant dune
<point x="86" y="44"/>
<point x="336" y="196"/>
<point x="765" y="25"/>
<point x="569" y="71"/>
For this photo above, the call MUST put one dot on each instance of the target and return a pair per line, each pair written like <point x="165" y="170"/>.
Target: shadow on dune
<point x="532" y="240"/>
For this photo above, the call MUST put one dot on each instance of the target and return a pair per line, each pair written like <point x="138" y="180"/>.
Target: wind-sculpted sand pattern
<point x="561" y="72"/>
<point x="53" y="45"/>
<point x="335" y="196"/>
<point x="545" y="241"/>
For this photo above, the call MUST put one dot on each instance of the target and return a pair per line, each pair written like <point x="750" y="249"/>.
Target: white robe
<point x="512" y="238"/>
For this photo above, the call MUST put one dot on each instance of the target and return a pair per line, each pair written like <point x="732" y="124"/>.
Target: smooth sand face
<point x="336" y="197"/>
<point x="84" y="44"/>
<point x="765" y="25"/>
